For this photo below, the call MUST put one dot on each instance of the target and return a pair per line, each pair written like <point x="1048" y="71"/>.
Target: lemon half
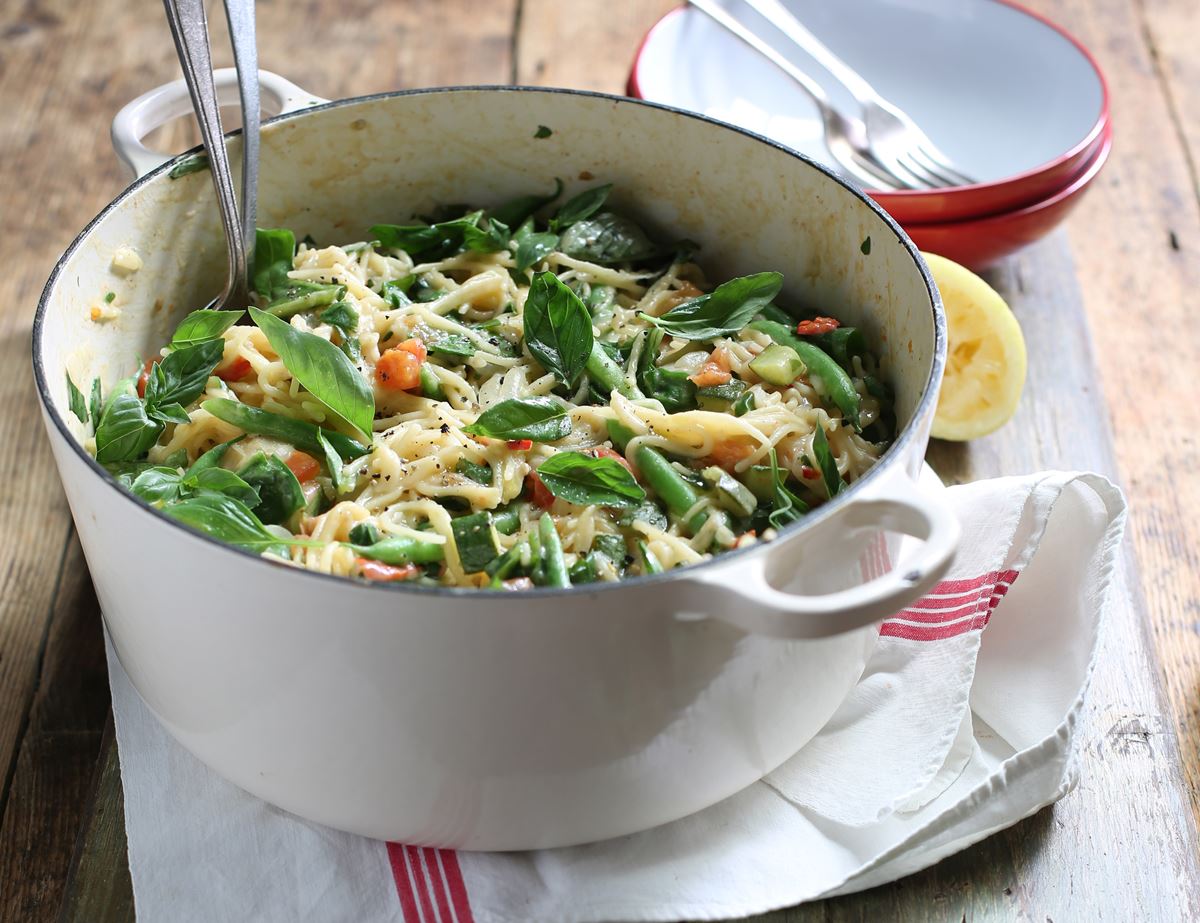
<point x="985" y="362"/>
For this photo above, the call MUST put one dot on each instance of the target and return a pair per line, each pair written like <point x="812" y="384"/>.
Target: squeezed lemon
<point x="985" y="363"/>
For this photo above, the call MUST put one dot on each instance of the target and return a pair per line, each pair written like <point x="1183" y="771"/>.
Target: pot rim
<point x="810" y="520"/>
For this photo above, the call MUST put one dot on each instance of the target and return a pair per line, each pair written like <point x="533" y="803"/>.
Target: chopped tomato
<point x="416" y="347"/>
<point x="238" y="369"/>
<point x="520" y="445"/>
<point x="303" y="465"/>
<point x="817" y="326"/>
<point x="538" y="492"/>
<point x="715" y="370"/>
<point x="808" y="472"/>
<point x="603" y="451"/>
<point x="518" y="583"/>
<point x="377" y="570"/>
<point x="728" y="453"/>
<point x="399" y="369"/>
<point x="144" y="376"/>
<point x="685" y="292"/>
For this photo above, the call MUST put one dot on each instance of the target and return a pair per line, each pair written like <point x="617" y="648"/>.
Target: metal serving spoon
<point x="189" y="27"/>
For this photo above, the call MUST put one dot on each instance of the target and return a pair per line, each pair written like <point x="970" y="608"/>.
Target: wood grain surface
<point x="1107" y="306"/>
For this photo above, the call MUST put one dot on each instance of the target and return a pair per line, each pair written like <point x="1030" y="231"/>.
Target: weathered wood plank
<point x="1171" y="29"/>
<point x="59" y="749"/>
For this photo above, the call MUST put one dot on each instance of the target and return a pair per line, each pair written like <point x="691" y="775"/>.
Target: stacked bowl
<point x="1012" y="99"/>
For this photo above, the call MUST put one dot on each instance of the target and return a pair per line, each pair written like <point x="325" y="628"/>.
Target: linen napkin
<point x="961" y="725"/>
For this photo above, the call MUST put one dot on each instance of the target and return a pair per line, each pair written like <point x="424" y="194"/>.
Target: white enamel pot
<point x="480" y="720"/>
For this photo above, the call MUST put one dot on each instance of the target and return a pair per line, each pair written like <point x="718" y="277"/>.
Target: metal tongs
<point x="189" y="27"/>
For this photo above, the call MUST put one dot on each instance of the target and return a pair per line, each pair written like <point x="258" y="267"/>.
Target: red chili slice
<point x="817" y="326"/>
<point x="520" y="445"/>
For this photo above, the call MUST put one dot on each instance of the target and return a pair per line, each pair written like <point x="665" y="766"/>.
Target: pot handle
<point x="158" y="106"/>
<point x="741" y="595"/>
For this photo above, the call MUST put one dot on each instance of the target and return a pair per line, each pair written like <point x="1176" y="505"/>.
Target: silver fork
<point x="189" y="27"/>
<point x="890" y="142"/>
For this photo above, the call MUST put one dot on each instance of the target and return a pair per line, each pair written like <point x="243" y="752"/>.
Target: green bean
<point x="507" y="521"/>
<point x="552" y="553"/>
<point x="607" y="375"/>
<point x="431" y="386"/>
<point x="619" y="433"/>
<point x="401" y="549"/>
<point x="504" y="565"/>
<point x="835" y="384"/>
<point x="775" y="313"/>
<point x="650" y="564"/>
<point x="299" y="433"/>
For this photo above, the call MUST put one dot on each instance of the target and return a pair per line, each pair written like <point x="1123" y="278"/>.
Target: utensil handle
<point x="242" y="33"/>
<point x="156" y="107"/>
<point x="742" y="595"/>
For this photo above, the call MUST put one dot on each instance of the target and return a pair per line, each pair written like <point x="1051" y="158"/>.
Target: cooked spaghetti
<point x="496" y="399"/>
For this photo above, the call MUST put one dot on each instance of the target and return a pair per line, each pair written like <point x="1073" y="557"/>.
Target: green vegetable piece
<point x="581" y="206"/>
<point x="672" y="489"/>
<point x="279" y="493"/>
<point x="333" y="462"/>
<point x="218" y="480"/>
<point x="301" y="434"/>
<point x="396" y="290"/>
<point x="515" y="211"/>
<point x="619" y="433"/>
<point x="786" y="507"/>
<point x="542" y="419"/>
<point x="648" y="512"/>
<point x="612" y="547"/>
<point x="671" y="387"/>
<point x="827" y="464"/>
<point x="96" y="402"/>
<point x="558" y="329"/>
<point x="401" y="549"/>
<point x="213" y="457"/>
<point x="607" y="376"/>
<point x="75" y="401"/>
<point x="533" y="246"/>
<point x="542" y="132"/>
<point x="583" y="480"/>
<point x="865" y="246"/>
<point x="363" y="533"/>
<point x="507" y="564"/>
<point x="322" y="369"/>
<point x="729" y="391"/>
<point x="431" y="385"/>
<point x="193" y="164"/>
<point x="607" y="238"/>
<point x="777" y="314"/>
<point x="125" y="431"/>
<point x="731" y="494"/>
<point x="650" y="564"/>
<point x="585" y="569"/>
<point x="428" y="242"/>
<point x="476" y="539"/>
<point x="553" y="563"/>
<point x="480" y="474"/>
<point x="449" y="345"/>
<point x="274" y="250"/>
<point x="724" y="310"/>
<point x="778" y="365"/>
<point x="507" y="521"/>
<point x="202" y="326"/>
<point x="228" y="520"/>
<point x="180" y="378"/>
<point x="760" y="482"/>
<point x="743" y="405"/>
<point x="829" y="378"/>
<point x="298" y="297"/>
<point x="844" y="344"/>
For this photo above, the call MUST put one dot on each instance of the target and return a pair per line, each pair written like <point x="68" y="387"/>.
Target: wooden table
<point x="1109" y="310"/>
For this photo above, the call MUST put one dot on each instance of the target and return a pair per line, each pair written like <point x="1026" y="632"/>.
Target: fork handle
<point x="240" y="14"/>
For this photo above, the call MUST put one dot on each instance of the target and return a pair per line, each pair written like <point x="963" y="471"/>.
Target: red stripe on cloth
<point x="458" y="891"/>
<point x="941" y="615"/>
<point x="931" y="632"/>
<point x="437" y="884"/>
<point x="413" y="856"/>
<point x="962" y="586"/>
<point x="404" y="884"/>
<point x="937" y="622"/>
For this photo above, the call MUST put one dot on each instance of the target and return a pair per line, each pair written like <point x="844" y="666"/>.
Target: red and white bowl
<point x="1013" y="99"/>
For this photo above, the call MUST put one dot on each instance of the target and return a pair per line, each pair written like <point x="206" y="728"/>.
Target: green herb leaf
<point x="363" y="533"/>
<point x="607" y="238"/>
<point x="582" y="479"/>
<point x="480" y="474"/>
<point x="490" y="239"/>
<point x="648" y="512"/>
<point x="76" y="401"/>
<point x="322" y="369"/>
<point x="193" y="164"/>
<point x="542" y="132"/>
<point x="726" y="309"/>
<point x="202" y="326"/>
<point x="274" y="249"/>
<point x="558" y="328"/>
<point x="532" y="246"/>
<point x="125" y="432"/>
<point x="279" y="493"/>
<point x="96" y="404"/>
<point x="168" y="413"/>
<point x="110" y="297"/>
<point x="542" y="419"/>
<point x="159" y="484"/>
<point x="515" y="211"/>
<point x="426" y="242"/>
<point x="477" y="541"/>
<point x="300" y="433"/>
<point x="221" y="481"/>
<point x="449" y="345"/>
<point x="212" y="458"/>
<point x="228" y="520"/>
<point x="865" y="247"/>
<point x="333" y="461"/>
<point x="671" y="387"/>
<point x="180" y="377"/>
<point x="581" y="206"/>
<point x="744" y="404"/>
<point x="827" y="464"/>
<point x="342" y="317"/>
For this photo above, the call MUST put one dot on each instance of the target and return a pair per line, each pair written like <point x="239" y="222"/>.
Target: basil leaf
<point x="480" y="474"/>
<point x="274" y="250"/>
<point x="212" y="458"/>
<point x="297" y="296"/>
<point x="202" y="326"/>
<point x="180" y="377"/>
<point x="396" y="290"/>
<point x="218" y="480"/>
<point x="322" y="369"/>
<point x="449" y="345"/>
<point x="75" y="401"/>
<point x="827" y="463"/>
<point x="515" y="211"/>
<point x="581" y="206"/>
<point x="583" y="480"/>
<point x="786" y="507"/>
<point x="671" y="387"/>
<point x="193" y="164"/>
<point x="342" y="317"/>
<point x="168" y="413"/>
<point x="363" y="533"/>
<point x="607" y="238"/>
<point x="301" y="434"/>
<point x="533" y="247"/>
<point x="157" y="484"/>
<point x="426" y="243"/>
<point x="333" y="462"/>
<point x="476" y="539"/>
<point x="542" y="419"/>
<point x="612" y="547"/>
<point x="228" y="520"/>
<point x="726" y="309"/>
<point x="96" y="403"/>
<point x="648" y="512"/>
<point x="279" y="493"/>
<point x="558" y="328"/>
<point x="125" y="432"/>
<point x="490" y="239"/>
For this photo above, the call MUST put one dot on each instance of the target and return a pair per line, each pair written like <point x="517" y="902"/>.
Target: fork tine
<point x="937" y="162"/>
<point x="929" y="178"/>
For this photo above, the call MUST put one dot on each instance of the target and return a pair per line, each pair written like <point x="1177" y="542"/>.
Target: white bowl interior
<point x="1000" y="92"/>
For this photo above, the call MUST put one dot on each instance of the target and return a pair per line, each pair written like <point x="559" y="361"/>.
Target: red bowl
<point x="980" y="242"/>
<point x="1043" y="122"/>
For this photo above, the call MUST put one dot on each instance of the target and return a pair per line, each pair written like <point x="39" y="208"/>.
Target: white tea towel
<point x="960" y="726"/>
